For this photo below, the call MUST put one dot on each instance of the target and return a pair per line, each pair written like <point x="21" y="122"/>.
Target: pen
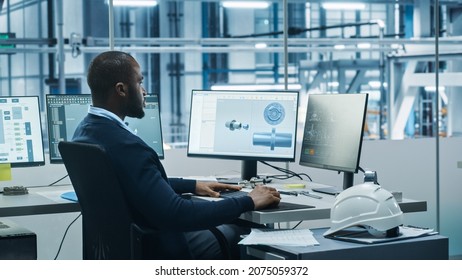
<point x="310" y="195"/>
<point x="288" y="192"/>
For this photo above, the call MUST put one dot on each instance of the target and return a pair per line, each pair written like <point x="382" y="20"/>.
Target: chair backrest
<point x="107" y="224"/>
<point x="108" y="228"/>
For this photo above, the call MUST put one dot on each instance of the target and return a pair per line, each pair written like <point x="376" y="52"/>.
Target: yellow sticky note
<point x="294" y="186"/>
<point x="5" y="172"/>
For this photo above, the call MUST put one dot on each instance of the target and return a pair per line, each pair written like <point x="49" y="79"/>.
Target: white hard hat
<point x="366" y="205"/>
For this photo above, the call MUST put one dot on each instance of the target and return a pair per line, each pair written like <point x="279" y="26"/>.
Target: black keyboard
<point x="229" y="194"/>
<point x="280" y="207"/>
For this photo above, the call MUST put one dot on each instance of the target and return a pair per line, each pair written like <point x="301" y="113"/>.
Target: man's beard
<point x="136" y="113"/>
<point x="135" y="110"/>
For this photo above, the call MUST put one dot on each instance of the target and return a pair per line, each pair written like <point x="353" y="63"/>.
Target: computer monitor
<point x="66" y="111"/>
<point x="243" y="125"/>
<point x="21" y="139"/>
<point x="333" y="133"/>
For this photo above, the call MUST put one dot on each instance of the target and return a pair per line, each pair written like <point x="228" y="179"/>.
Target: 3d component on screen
<point x="274" y="113"/>
<point x="272" y="139"/>
<point x="233" y="125"/>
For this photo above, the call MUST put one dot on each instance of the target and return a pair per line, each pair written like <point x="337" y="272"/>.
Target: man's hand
<point x="264" y="197"/>
<point x="210" y="188"/>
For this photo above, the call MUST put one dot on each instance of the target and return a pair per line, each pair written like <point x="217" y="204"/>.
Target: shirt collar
<point x="108" y="115"/>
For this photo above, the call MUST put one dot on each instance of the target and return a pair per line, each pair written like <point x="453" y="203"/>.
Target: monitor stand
<point x="348" y="179"/>
<point x="248" y="171"/>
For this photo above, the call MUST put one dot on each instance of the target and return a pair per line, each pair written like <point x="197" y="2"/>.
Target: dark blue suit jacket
<point x="154" y="199"/>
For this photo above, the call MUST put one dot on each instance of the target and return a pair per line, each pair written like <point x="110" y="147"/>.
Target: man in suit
<point x="115" y="81"/>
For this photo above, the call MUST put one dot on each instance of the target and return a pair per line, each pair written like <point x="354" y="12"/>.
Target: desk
<point x="47" y="200"/>
<point x="320" y="211"/>
<point x="40" y="200"/>
<point x="433" y="247"/>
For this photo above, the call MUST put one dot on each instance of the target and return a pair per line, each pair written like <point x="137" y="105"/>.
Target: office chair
<point x="108" y="228"/>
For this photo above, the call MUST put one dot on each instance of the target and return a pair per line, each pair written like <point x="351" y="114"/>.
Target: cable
<point x="286" y="176"/>
<point x="52" y="184"/>
<point x="59" y="180"/>
<point x="288" y="173"/>
<point x="294" y="227"/>
<point x="283" y="170"/>
<point x="64" y="236"/>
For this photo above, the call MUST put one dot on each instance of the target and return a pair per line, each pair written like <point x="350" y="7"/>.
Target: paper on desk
<point x="290" y="237"/>
<point x="363" y="236"/>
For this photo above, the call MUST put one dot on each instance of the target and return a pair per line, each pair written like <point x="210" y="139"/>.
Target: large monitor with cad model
<point x="66" y="111"/>
<point x="244" y="125"/>
<point x="333" y="133"/>
<point x="21" y="139"/>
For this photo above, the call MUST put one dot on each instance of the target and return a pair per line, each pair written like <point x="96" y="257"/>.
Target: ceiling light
<point x="433" y="88"/>
<point x="260" y="45"/>
<point x="134" y="3"/>
<point x="441" y="91"/>
<point x="246" y="4"/>
<point x="333" y="84"/>
<point x="364" y="46"/>
<point x="374" y="84"/>
<point x="339" y="47"/>
<point x="257" y="87"/>
<point x="343" y="6"/>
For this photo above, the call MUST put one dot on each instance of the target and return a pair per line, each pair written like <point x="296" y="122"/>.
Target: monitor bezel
<point x="332" y="167"/>
<point x="34" y="163"/>
<point x="244" y="157"/>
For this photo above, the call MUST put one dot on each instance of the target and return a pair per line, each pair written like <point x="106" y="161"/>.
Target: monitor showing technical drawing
<point x="244" y="125"/>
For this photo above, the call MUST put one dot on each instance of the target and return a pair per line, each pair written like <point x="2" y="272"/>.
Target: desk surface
<point x="47" y="200"/>
<point x="40" y="200"/>
<point x="430" y="247"/>
<point x="320" y="211"/>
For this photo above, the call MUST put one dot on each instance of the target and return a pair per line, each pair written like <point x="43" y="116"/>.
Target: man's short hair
<point x="108" y="69"/>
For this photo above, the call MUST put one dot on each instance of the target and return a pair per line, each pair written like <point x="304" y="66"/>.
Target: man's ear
<point x="120" y="88"/>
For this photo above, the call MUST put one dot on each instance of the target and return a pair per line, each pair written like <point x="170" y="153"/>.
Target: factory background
<point x="399" y="51"/>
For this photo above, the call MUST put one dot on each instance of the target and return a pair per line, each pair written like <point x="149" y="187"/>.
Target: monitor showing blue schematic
<point x="66" y="111"/>
<point x="21" y="141"/>
<point x="254" y="125"/>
